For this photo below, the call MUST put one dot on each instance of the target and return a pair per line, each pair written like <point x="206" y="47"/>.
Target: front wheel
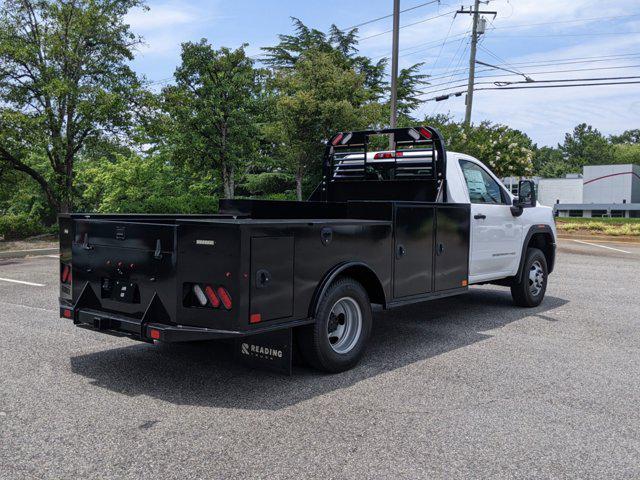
<point x="337" y="339"/>
<point x="530" y="291"/>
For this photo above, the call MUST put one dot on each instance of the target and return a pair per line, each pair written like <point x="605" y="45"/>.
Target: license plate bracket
<point x="126" y="292"/>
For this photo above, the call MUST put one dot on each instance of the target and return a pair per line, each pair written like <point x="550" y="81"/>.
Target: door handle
<point x="401" y="252"/>
<point x="479" y="216"/>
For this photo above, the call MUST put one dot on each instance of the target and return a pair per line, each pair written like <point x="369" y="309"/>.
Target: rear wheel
<point x="337" y="339"/>
<point x="530" y="291"/>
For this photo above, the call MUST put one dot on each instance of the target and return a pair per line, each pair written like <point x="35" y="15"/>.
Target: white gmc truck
<point x="405" y="225"/>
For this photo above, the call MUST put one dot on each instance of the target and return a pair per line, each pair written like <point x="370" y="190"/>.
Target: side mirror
<point x="526" y="193"/>
<point x="526" y="197"/>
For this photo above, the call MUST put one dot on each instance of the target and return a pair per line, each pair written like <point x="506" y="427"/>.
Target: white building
<point x="552" y="191"/>
<point x="611" y="184"/>
<point x="601" y="191"/>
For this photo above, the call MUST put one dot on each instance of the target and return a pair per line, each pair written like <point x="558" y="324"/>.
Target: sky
<point x="541" y="39"/>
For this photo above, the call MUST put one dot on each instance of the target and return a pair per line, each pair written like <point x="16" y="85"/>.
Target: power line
<point x="442" y="46"/>
<point x="390" y="15"/>
<point x="545" y="63"/>
<point x="564" y="80"/>
<point x="464" y="50"/>
<point x="523" y="87"/>
<point x="433" y="43"/>
<point x="565" y="35"/>
<point x="505" y="83"/>
<point x="408" y="25"/>
<point x="500" y="59"/>
<point x="505" y="69"/>
<point x="521" y="25"/>
<point x="507" y="75"/>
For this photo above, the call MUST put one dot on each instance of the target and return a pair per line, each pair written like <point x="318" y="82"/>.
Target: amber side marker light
<point x="465" y="283"/>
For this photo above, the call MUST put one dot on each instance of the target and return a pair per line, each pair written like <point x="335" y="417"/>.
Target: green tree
<point x="212" y="110"/>
<point x="549" y="162"/>
<point x="410" y="81"/>
<point x="628" y="136"/>
<point x="316" y="98"/>
<point x="64" y="82"/>
<point x="586" y="146"/>
<point x="340" y="46"/>
<point x="627" y="153"/>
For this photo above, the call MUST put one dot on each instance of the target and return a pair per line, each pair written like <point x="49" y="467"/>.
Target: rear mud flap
<point x="269" y="351"/>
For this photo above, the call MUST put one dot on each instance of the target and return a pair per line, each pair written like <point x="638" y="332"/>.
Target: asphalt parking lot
<point x="466" y="387"/>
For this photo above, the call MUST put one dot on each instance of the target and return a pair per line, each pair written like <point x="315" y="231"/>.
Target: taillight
<point x="211" y="295"/>
<point x="425" y="133"/>
<point x="224" y="297"/>
<point x="381" y="155"/>
<point x="203" y="295"/>
<point x="65" y="275"/>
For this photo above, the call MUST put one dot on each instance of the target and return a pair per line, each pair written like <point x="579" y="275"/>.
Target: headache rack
<point x="359" y="166"/>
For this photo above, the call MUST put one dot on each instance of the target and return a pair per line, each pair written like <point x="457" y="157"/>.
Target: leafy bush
<point x="268" y="183"/>
<point x="183" y="204"/>
<point x="13" y="227"/>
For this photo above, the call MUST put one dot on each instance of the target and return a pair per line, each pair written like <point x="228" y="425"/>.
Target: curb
<point x="28" y="253"/>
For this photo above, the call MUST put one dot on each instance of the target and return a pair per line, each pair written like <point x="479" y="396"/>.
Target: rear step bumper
<point x="120" y="325"/>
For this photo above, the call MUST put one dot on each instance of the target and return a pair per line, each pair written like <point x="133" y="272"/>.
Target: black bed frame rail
<point x="356" y="177"/>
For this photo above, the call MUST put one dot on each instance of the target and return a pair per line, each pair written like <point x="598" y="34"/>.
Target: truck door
<point x="495" y="233"/>
<point x="412" y="274"/>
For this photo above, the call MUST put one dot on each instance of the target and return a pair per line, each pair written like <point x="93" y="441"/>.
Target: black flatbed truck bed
<point x="269" y="264"/>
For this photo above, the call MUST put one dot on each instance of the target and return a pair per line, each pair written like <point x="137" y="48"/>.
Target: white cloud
<point x="165" y="26"/>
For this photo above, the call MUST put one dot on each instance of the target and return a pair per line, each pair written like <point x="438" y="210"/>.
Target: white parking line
<point x="30" y="250"/>
<point x="10" y="280"/>
<point x="601" y="246"/>
<point x="28" y="306"/>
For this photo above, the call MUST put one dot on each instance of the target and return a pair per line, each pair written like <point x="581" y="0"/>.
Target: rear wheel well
<point x="359" y="272"/>
<point x="368" y="280"/>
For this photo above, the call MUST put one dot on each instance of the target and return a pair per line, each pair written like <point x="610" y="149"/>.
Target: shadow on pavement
<point x="205" y="374"/>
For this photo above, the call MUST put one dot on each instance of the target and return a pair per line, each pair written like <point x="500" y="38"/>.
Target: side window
<point x="481" y="186"/>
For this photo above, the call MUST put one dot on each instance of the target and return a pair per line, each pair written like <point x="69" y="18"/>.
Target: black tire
<point x="314" y="340"/>
<point x="530" y="292"/>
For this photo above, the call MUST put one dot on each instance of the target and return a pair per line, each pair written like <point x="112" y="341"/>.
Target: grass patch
<point x="602" y="226"/>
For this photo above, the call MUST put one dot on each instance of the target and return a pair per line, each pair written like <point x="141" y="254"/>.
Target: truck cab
<point x="498" y="231"/>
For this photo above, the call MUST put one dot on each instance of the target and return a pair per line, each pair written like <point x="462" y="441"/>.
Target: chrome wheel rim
<point x="344" y="325"/>
<point x="536" y="278"/>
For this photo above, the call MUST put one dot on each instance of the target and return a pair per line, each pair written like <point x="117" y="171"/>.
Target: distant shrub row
<point x="13" y="227"/>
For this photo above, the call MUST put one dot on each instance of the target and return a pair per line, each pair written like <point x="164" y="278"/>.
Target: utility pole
<point x="472" y="55"/>
<point x="394" y="69"/>
<point x="472" y="63"/>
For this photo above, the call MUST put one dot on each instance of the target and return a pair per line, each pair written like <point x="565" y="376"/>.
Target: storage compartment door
<point x="271" y="277"/>
<point x="413" y="250"/>
<point x="452" y="246"/>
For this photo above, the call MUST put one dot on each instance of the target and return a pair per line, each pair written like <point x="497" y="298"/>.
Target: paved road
<point x="467" y="387"/>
